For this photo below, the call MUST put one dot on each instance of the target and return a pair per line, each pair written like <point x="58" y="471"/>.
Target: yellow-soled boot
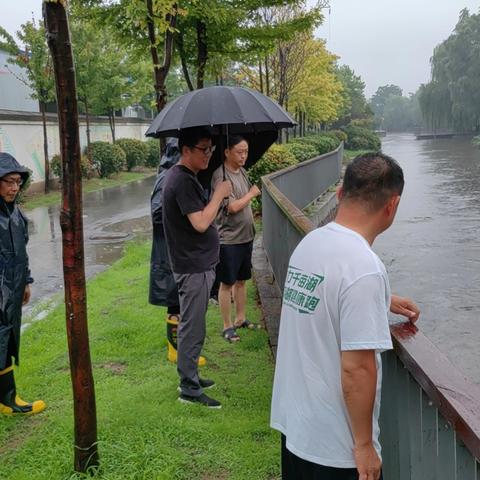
<point x="172" y="327"/>
<point x="10" y="402"/>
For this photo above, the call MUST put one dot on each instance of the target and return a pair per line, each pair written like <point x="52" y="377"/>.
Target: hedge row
<point x="127" y="153"/>
<point x="108" y="159"/>
<point x="359" y="138"/>
<point x="305" y="148"/>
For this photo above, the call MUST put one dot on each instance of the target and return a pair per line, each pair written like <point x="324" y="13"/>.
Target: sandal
<point x="230" y="335"/>
<point x="247" y="324"/>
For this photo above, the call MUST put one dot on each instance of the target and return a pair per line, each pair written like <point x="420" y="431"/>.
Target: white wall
<point x="24" y="139"/>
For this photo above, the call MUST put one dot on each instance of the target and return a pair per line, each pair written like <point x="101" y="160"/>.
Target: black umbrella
<point x="242" y="109"/>
<point x="226" y="111"/>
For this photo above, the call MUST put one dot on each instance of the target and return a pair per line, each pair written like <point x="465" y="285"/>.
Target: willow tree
<point x="58" y="36"/>
<point x="452" y="98"/>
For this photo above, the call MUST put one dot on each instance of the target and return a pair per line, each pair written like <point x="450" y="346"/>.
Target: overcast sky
<point x="384" y="41"/>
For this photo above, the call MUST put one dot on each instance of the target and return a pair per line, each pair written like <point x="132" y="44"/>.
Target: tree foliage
<point x="381" y="96"/>
<point x="393" y="111"/>
<point x="318" y="91"/>
<point x="33" y="57"/>
<point x="452" y="98"/>
<point x="354" y="103"/>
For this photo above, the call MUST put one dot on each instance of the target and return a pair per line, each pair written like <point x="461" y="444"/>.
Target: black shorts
<point x="296" y="468"/>
<point x="235" y="263"/>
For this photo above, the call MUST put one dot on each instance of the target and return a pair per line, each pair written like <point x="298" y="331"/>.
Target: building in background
<point x="14" y="94"/>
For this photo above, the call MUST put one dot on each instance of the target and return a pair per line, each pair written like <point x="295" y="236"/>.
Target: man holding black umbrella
<point x="193" y="246"/>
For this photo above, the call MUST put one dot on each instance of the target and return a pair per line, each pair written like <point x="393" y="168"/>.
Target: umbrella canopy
<point x="225" y="111"/>
<point x="242" y="109"/>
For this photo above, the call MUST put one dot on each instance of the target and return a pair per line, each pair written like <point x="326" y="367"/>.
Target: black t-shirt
<point x="190" y="251"/>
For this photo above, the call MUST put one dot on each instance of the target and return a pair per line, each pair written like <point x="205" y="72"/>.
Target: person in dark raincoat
<point x="163" y="289"/>
<point x="15" y="283"/>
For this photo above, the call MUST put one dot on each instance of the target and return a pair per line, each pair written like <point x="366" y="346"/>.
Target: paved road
<point x="111" y="216"/>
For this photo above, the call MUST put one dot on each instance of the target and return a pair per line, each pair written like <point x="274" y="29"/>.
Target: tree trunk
<point x="161" y="72"/>
<point x="71" y="221"/>
<point x="260" y="75"/>
<point x="111" y="122"/>
<point x="267" y="77"/>
<point x="87" y="119"/>
<point x="45" y="148"/>
<point x="202" y="54"/>
<point x="282" y="80"/>
<point x="183" y="60"/>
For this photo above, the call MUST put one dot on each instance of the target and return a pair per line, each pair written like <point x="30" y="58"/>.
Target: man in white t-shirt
<point x="334" y="324"/>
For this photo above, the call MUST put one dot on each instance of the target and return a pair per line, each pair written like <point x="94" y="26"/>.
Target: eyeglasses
<point x="11" y="182"/>
<point x="206" y="150"/>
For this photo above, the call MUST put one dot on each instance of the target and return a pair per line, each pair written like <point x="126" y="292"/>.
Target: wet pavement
<point x="432" y="251"/>
<point x="111" y="217"/>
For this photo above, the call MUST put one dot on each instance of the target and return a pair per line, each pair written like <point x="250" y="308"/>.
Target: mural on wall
<point x="6" y="145"/>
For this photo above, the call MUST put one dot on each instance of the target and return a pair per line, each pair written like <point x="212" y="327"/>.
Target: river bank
<point x="144" y="432"/>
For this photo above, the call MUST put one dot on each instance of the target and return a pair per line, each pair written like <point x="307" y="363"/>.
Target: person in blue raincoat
<point x="15" y="283"/>
<point x="163" y="289"/>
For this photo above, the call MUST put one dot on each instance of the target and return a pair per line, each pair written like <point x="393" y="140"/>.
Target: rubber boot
<point x="172" y="327"/>
<point x="10" y="402"/>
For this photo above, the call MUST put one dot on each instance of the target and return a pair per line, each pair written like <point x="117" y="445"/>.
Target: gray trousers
<point x="193" y="292"/>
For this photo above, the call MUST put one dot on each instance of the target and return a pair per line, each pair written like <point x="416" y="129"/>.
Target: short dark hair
<point x="373" y="178"/>
<point x="191" y="136"/>
<point x="233" y="140"/>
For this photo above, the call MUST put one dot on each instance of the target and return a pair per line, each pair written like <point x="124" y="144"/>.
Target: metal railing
<point x="430" y="416"/>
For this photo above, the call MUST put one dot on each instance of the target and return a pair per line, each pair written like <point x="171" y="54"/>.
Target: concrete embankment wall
<point x="307" y="186"/>
<point x="21" y="135"/>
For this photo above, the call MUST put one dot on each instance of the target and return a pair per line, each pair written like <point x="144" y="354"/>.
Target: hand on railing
<point x="406" y="307"/>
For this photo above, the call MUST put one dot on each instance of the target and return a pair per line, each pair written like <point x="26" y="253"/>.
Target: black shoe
<point x="206" y="383"/>
<point x="202" y="400"/>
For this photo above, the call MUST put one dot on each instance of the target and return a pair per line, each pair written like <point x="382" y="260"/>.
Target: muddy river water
<point x="432" y="251"/>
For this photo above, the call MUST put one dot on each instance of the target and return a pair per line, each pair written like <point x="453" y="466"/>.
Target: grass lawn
<point x="144" y="432"/>
<point x="41" y="200"/>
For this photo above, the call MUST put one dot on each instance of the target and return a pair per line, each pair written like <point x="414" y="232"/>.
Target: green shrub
<point x="85" y="166"/>
<point x="153" y="157"/>
<point x="276" y="158"/>
<point x="361" y="139"/>
<point x="339" y="134"/>
<point x="107" y="159"/>
<point x="476" y="141"/>
<point x="24" y="188"/>
<point x="368" y="123"/>
<point x="323" y="143"/>
<point x="136" y="151"/>
<point x="56" y="165"/>
<point x="301" y="151"/>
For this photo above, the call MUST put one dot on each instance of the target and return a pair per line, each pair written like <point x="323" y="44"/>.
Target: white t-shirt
<point x="336" y="298"/>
